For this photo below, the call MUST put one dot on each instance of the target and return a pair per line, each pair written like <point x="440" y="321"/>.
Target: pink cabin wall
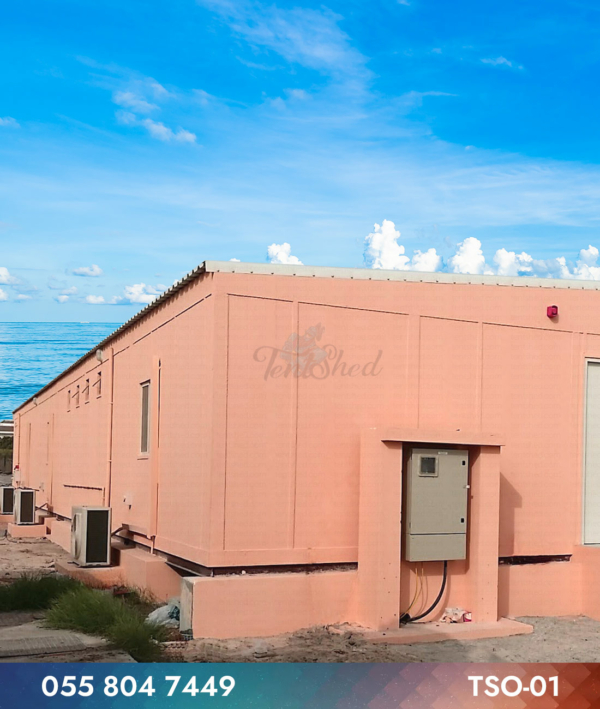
<point x="67" y="450"/>
<point x="252" y="469"/>
<point x="470" y="357"/>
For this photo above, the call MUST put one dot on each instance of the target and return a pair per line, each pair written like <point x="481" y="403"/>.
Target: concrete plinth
<point x="60" y="533"/>
<point x="101" y="577"/>
<point x="21" y="531"/>
<point x="6" y="519"/>
<point x="138" y="569"/>
<point x="259" y="605"/>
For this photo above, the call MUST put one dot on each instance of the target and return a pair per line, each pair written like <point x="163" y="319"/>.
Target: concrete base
<point x="438" y="632"/>
<point x="259" y="605"/>
<point x="60" y="533"/>
<point x="6" y="519"/>
<point x="104" y="577"/>
<point x="138" y="569"/>
<point x="150" y="573"/>
<point x="21" y="531"/>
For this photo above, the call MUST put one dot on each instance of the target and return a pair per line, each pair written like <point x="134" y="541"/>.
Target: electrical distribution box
<point x="435" y="513"/>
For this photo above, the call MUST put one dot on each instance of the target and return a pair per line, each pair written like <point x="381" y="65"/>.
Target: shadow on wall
<point x="510" y="500"/>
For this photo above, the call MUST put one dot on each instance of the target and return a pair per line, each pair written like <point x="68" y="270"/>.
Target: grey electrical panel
<point x="435" y="509"/>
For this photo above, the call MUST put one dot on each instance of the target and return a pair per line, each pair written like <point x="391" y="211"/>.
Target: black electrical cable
<point x="407" y="618"/>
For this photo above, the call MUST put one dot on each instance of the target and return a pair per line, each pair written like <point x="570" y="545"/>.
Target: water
<point x="31" y="354"/>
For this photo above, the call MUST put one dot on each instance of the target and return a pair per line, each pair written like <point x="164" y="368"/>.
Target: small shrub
<point x="32" y="592"/>
<point x="122" y="623"/>
<point x="86" y="610"/>
<point x="140" y="639"/>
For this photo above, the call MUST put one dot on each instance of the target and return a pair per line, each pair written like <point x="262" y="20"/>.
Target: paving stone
<point x="9" y="620"/>
<point x="40" y="646"/>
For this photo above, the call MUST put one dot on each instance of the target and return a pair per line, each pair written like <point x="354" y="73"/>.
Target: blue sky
<point x="138" y="139"/>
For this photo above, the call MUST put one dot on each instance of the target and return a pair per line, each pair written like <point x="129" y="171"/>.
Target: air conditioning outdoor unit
<point x="24" y="506"/>
<point x="90" y="536"/>
<point x="7" y="500"/>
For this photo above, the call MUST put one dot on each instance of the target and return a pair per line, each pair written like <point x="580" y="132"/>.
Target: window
<point x="86" y="391"/>
<point x="98" y="384"/>
<point x="428" y="468"/>
<point x="145" y="417"/>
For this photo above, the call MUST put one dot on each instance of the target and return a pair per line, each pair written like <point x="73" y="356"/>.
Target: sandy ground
<point x="18" y="556"/>
<point x="575" y="639"/>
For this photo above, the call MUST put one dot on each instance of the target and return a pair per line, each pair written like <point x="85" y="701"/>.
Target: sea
<point x="33" y="353"/>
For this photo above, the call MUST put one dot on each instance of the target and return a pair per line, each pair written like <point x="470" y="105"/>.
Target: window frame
<point x="145" y="391"/>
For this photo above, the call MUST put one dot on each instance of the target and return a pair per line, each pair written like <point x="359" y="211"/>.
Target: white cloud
<point x="469" y="258"/>
<point x="281" y="253"/>
<point x="8" y="122"/>
<point x="69" y="291"/>
<point x="587" y="266"/>
<point x="3" y="295"/>
<point x="234" y="259"/>
<point x="161" y="132"/>
<point x="156" y="129"/>
<point x="414" y="99"/>
<point x="62" y="298"/>
<point x="134" y="101"/>
<point x="141" y="293"/>
<point x="502" y="61"/>
<point x="88" y="271"/>
<point x="22" y="296"/>
<point x="203" y="97"/>
<point x="137" y="293"/>
<point x="309" y="37"/>
<point x="5" y="277"/>
<point x="382" y="250"/>
<point x="428" y="261"/>
<point x="509" y="263"/>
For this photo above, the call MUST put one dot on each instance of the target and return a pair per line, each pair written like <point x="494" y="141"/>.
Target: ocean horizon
<point x="33" y="353"/>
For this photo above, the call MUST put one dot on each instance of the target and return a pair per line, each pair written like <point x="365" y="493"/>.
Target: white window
<point x="145" y="437"/>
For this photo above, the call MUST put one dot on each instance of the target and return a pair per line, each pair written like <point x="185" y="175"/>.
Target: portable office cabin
<point x="234" y="424"/>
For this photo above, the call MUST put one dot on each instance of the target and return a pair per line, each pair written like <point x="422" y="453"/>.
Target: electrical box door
<point x="436" y="503"/>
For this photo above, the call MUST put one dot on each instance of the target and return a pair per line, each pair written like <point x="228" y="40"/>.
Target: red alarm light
<point x="552" y="311"/>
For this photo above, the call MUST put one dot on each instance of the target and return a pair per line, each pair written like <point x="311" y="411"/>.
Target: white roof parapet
<point x="377" y="274"/>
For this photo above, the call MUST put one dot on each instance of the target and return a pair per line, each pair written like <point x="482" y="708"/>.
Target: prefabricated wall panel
<point x="254" y="455"/>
